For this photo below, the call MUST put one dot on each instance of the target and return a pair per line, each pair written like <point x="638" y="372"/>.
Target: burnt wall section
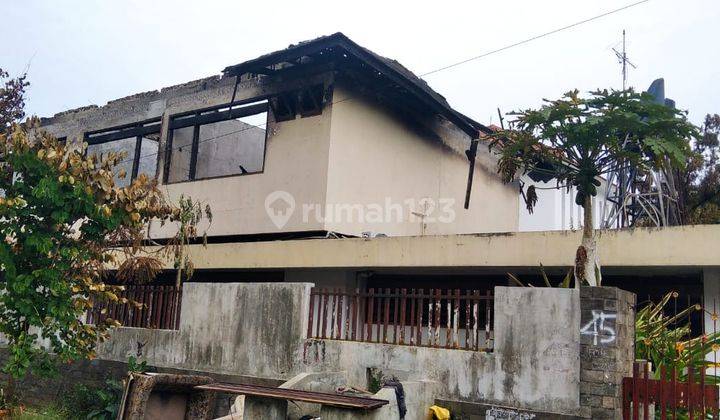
<point x="607" y="348"/>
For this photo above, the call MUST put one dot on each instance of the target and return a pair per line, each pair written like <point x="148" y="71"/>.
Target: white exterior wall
<point x="380" y="160"/>
<point x="556" y="208"/>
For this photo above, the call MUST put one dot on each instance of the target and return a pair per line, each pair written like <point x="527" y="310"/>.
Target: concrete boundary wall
<point x="258" y="330"/>
<point x="253" y="329"/>
<point x="535" y="363"/>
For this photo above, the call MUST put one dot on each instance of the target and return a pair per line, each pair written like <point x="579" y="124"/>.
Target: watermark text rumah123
<point x="281" y="205"/>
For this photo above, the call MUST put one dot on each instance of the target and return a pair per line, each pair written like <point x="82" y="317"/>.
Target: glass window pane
<point x="231" y="147"/>
<point x="149" y="155"/>
<point x="118" y="146"/>
<point x="180" y="154"/>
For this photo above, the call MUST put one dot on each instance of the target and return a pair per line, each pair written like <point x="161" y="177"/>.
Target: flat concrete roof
<point x="682" y="247"/>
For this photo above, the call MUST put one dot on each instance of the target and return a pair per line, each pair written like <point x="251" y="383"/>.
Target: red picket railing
<point x="670" y="397"/>
<point x="160" y="308"/>
<point x="440" y="318"/>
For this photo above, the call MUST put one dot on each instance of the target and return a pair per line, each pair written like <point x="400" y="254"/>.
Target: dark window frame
<point x="138" y="130"/>
<point x="210" y="115"/>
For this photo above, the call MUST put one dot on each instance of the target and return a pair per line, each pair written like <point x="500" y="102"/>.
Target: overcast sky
<point x="90" y="52"/>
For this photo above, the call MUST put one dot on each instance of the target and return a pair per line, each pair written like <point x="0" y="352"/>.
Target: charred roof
<point x="340" y="52"/>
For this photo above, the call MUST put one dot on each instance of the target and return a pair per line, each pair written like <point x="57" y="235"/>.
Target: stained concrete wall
<point x="535" y="363"/>
<point x="253" y="329"/>
<point x="258" y="330"/>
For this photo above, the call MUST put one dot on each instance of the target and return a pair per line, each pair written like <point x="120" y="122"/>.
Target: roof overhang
<point x="395" y="73"/>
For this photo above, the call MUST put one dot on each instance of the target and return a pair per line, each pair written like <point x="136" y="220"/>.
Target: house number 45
<point x="598" y="327"/>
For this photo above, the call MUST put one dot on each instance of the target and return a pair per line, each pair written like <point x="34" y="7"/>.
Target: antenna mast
<point x="624" y="61"/>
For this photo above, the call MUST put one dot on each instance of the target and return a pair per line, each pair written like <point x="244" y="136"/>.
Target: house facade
<point x="341" y="139"/>
<point x="359" y="225"/>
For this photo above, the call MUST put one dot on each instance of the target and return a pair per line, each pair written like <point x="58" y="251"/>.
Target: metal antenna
<point x="624" y="60"/>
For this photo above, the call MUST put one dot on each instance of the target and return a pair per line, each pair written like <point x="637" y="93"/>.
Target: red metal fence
<point x="671" y="397"/>
<point x="438" y="318"/>
<point x="160" y="308"/>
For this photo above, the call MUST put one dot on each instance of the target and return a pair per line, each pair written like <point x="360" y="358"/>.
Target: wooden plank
<point x="418" y="330"/>
<point x="438" y="309"/>
<point x="395" y="317"/>
<point x="338" y="313"/>
<point x="354" y="306"/>
<point x="467" y="320"/>
<point x="403" y="308"/>
<point x="646" y="399"/>
<point x="371" y="308"/>
<point x="702" y="392"/>
<point x="412" y="316"/>
<point x="456" y="320"/>
<point x="674" y="393"/>
<point x="431" y="318"/>
<point x="488" y="317"/>
<point x="323" y="398"/>
<point x="170" y="314"/>
<point x="311" y="315"/>
<point x="448" y="326"/>
<point x="476" y="318"/>
<point x="636" y="391"/>
<point x="690" y="396"/>
<point x="663" y="409"/>
<point x="386" y="315"/>
<point x="167" y="295"/>
<point x="324" y="317"/>
<point x="178" y="310"/>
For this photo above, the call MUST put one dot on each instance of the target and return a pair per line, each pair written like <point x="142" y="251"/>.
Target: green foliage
<point x="375" y="380"/>
<point x="90" y="403"/>
<point x="575" y="140"/>
<point x="698" y="184"/>
<point x="564" y="284"/>
<point x="59" y="218"/>
<point x="136" y="367"/>
<point x="12" y="99"/>
<point x="41" y="413"/>
<point x="660" y="342"/>
<point x="63" y="224"/>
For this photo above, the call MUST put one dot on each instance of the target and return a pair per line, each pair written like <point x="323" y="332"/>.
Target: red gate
<point x="670" y="396"/>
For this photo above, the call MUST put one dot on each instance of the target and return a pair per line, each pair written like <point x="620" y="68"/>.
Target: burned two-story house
<point x="359" y="224"/>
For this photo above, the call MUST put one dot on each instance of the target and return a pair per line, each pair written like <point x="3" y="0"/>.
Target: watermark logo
<point x="279" y="206"/>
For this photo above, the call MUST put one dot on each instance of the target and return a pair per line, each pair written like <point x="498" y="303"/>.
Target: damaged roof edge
<point x="391" y="69"/>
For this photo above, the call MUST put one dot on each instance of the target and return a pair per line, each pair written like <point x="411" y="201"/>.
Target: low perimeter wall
<point x="250" y="329"/>
<point x="535" y="362"/>
<point x="540" y="336"/>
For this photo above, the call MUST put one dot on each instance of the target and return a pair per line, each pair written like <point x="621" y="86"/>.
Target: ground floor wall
<point x="555" y="350"/>
<point x="259" y="330"/>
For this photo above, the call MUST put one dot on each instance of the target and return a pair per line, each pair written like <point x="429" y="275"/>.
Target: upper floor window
<point x="216" y="142"/>
<point x="138" y="141"/>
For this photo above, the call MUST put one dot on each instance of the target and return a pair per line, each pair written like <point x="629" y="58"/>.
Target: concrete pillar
<point x="607" y="349"/>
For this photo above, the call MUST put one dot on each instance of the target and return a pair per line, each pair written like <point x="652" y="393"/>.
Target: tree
<point x="699" y="182"/>
<point x="12" y="99"/>
<point x="576" y="141"/>
<point x="64" y="224"/>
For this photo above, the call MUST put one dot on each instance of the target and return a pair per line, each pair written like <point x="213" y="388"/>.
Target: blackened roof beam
<point x="393" y="71"/>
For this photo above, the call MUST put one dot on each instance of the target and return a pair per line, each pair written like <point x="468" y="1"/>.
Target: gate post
<point x="607" y="349"/>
